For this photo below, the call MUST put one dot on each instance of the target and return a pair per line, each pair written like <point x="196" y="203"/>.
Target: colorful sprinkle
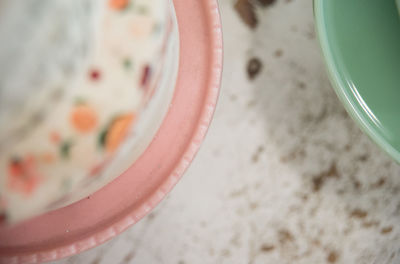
<point x="95" y="170"/>
<point x="146" y="72"/>
<point x="127" y="63"/>
<point x="23" y="175"/>
<point x="118" y="4"/>
<point x="102" y="138"/>
<point x="83" y="118"/>
<point x="94" y="75"/>
<point x="118" y="131"/>
<point x="65" y="149"/>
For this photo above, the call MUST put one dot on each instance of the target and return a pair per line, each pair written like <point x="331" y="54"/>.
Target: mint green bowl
<point x="360" y="41"/>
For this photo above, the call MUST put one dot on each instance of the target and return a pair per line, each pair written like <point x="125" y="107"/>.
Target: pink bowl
<point x="122" y="203"/>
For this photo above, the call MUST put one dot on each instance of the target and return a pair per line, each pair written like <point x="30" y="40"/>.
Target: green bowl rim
<point x="343" y="89"/>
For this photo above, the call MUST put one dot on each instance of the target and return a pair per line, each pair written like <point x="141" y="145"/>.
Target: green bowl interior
<point x="360" y="40"/>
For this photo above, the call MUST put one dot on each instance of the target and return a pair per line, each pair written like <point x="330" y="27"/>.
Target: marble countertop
<point x="284" y="175"/>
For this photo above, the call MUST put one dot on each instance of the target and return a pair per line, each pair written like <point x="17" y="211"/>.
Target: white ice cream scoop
<point x="84" y="85"/>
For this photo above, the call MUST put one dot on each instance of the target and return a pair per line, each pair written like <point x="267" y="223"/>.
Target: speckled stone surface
<point x="284" y="176"/>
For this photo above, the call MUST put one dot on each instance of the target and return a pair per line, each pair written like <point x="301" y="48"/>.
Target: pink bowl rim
<point x="191" y="150"/>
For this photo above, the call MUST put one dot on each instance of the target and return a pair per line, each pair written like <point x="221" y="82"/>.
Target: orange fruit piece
<point x="118" y="131"/>
<point x="118" y="4"/>
<point x="23" y="175"/>
<point x="83" y="118"/>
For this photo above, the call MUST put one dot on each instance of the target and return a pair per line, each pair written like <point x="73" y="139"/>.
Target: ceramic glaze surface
<point x="360" y="41"/>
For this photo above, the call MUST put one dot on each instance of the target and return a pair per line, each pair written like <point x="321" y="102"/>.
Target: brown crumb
<point x="369" y="224"/>
<point x="379" y="183"/>
<point x="386" y="230"/>
<point x="316" y="242"/>
<point x="356" y="184"/>
<point x="265" y="3"/>
<point x="332" y="257"/>
<point x="319" y="179"/>
<point x="358" y="213"/>
<point x="317" y="183"/>
<point x="246" y="11"/>
<point x="363" y="157"/>
<point x="254" y="67"/>
<point x="129" y="257"/>
<point x="301" y="85"/>
<point x="267" y="248"/>
<point x="278" y="53"/>
<point x="297" y="153"/>
<point x="285" y="236"/>
<point x="256" y="156"/>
